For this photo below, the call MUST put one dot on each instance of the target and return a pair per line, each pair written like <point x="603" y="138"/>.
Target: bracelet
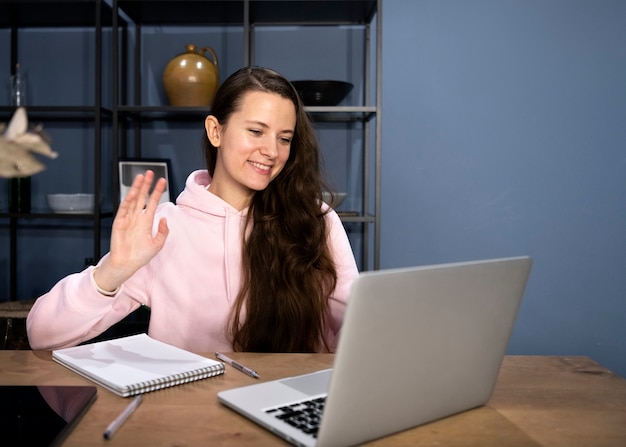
<point x="101" y="291"/>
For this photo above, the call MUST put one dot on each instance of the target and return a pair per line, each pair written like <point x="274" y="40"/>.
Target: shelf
<point x="56" y="113"/>
<point x="328" y="114"/>
<point x="183" y="12"/>
<point x="50" y="215"/>
<point x="164" y="112"/>
<point x="348" y="216"/>
<point x="44" y="13"/>
<point x="262" y="12"/>
<point x="312" y="12"/>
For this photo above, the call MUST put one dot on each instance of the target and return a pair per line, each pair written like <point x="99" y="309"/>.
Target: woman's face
<point x="253" y="146"/>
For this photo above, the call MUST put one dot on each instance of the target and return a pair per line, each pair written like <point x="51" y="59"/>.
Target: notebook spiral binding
<point x="173" y="380"/>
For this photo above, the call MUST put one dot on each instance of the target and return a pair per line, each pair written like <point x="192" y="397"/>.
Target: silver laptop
<point x="417" y="344"/>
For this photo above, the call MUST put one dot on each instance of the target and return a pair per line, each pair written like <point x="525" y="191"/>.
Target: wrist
<point x="101" y="287"/>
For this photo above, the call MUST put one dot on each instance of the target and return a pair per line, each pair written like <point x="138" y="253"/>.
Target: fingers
<point x="155" y="197"/>
<point x="144" y="187"/>
<point x="162" y="232"/>
<point x="135" y="200"/>
<point x="133" y="242"/>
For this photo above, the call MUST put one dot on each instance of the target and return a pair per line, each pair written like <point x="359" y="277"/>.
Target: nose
<point x="269" y="149"/>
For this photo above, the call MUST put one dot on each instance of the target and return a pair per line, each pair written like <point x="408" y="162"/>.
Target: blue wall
<point x="504" y="133"/>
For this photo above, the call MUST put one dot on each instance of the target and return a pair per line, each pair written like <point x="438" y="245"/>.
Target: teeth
<point x="259" y="165"/>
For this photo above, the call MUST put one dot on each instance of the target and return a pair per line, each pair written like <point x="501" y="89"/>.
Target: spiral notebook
<point x="136" y="364"/>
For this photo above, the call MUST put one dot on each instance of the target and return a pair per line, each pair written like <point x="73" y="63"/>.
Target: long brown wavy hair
<point x="288" y="272"/>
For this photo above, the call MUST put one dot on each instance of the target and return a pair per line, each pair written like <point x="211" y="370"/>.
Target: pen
<point x="117" y="423"/>
<point x="237" y="365"/>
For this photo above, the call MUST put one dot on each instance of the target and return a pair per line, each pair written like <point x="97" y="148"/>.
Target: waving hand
<point x="132" y="241"/>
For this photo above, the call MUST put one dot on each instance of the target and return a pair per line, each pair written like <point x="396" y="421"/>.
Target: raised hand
<point x="132" y="241"/>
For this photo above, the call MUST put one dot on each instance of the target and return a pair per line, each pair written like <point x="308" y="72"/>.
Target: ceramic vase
<point x="191" y="78"/>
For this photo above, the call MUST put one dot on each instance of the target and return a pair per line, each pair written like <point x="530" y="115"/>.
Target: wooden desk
<point x="538" y="401"/>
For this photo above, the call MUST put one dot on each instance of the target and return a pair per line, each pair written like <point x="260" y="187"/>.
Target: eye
<point x="285" y="140"/>
<point x="255" y="132"/>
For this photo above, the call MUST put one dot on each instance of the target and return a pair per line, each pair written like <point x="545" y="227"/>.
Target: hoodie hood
<point x="196" y="196"/>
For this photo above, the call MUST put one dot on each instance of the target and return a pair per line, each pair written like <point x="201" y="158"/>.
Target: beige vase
<point x="191" y="78"/>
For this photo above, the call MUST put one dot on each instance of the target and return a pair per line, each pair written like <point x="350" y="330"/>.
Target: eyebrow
<point x="265" y="126"/>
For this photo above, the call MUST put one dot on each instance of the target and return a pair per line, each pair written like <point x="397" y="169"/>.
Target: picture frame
<point x="129" y="168"/>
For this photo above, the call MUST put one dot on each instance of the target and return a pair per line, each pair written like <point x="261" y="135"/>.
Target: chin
<point x="259" y="186"/>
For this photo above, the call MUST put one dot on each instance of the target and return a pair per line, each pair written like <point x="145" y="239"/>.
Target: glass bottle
<point x="18" y="87"/>
<point x="19" y="187"/>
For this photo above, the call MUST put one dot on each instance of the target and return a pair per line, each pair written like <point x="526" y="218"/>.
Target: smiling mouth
<point x="260" y="166"/>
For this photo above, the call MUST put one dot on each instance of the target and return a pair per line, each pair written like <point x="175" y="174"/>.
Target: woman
<point x="248" y="259"/>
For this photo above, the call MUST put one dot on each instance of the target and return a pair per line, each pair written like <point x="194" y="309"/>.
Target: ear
<point x="213" y="130"/>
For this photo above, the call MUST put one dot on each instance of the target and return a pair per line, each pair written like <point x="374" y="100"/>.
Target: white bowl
<point x="337" y="196"/>
<point x="71" y="203"/>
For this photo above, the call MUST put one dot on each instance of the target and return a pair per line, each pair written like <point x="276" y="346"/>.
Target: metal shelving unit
<point x="130" y="113"/>
<point x="17" y="15"/>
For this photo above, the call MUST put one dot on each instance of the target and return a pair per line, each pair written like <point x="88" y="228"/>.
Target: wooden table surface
<point x="538" y="401"/>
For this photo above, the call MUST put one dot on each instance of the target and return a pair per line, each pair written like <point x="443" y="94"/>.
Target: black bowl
<point x="322" y="93"/>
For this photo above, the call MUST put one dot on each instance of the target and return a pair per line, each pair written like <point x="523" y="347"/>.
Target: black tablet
<point x="41" y="415"/>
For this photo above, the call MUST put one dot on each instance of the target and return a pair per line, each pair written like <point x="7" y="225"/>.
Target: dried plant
<point x="18" y="143"/>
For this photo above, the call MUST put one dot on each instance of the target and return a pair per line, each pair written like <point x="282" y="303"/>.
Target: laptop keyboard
<point x="305" y="416"/>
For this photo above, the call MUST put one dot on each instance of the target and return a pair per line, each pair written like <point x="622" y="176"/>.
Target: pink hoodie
<point x="190" y="285"/>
